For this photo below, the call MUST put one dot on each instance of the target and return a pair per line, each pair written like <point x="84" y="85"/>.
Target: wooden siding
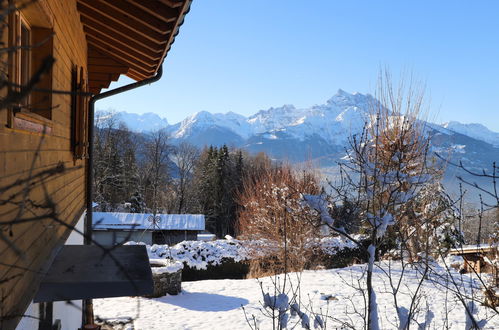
<point x="23" y="152"/>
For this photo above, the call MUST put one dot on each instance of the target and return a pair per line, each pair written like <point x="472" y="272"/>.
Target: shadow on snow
<point x="204" y="302"/>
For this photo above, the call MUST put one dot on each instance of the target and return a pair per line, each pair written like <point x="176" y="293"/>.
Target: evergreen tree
<point x="218" y="176"/>
<point x="137" y="203"/>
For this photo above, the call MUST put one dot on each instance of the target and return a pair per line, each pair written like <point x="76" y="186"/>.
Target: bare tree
<point x="115" y="162"/>
<point x="185" y="157"/>
<point x="386" y="169"/>
<point x="155" y="175"/>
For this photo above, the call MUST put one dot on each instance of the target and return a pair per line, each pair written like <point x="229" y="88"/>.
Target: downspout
<point x="88" y="313"/>
<point x="90" y="161"/>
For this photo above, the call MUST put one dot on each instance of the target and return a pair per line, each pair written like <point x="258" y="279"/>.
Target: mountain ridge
<point x="321" y="133"/>
<point x="333" y="121"/>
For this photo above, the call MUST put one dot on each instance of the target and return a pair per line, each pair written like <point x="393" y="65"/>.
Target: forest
<point x="145" y="173"/>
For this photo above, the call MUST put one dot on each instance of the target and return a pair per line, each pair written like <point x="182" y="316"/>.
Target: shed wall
<point x="113" y="237"/>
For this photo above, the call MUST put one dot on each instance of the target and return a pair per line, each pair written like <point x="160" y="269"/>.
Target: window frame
<point x="24" y="66"/>
<point x="34" y="112"/>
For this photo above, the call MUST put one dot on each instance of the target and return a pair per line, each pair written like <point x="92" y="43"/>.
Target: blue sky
<point x="244" y="56"/>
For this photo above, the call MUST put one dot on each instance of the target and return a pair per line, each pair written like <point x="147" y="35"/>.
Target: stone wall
<point x="167" y="283"/>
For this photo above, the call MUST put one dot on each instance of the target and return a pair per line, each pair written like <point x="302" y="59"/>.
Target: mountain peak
<point x="343" y="98"/>
<point x="146" y="122"/>
<point x="474" y="130"/>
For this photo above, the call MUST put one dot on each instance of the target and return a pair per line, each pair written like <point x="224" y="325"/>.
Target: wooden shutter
<point x="79" y="101"/>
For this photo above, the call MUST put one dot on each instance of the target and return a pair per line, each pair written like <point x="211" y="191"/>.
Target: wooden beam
<point x="140" y="15"/>
<point x="107" y="69"/>
<point x="126" y="34"/>
<point x="103" y="61"/>
<point x="97" y="54"/>
<point x="103" y="76"/>
<point x="92" y="52"/>
<point x="124" y="20"/>
<point x="157" y="9"/>
<point x="172" y="3"/>
<point x="116" y="52"/>
<point x="99" y="83"/>
<point x="94" y="90"/>
<point x="135" y="75"/>
<point x="126" y="46"/>
<point x="131" y="63"/>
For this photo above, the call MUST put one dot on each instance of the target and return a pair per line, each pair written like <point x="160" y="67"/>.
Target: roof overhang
<point x="130" y="37"/>
<point x="89" y="271"/>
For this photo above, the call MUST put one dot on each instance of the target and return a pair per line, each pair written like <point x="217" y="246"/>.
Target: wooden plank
<point x="135" y="75"/>
<point x="99" y="84"/>
<point x="107" y="69"/>
<point x="157" y="9"/>
<point x="123" y="20"/>
<point x="95" y="19"/>
<point x="138" y="14"/>
<point x="116" y="52"/>
<point x="104" y="61"/>
<point x="173" y="3"/>
<point x="133" y="64"/>
<point x="92" y="52"/>
<point x="103" y="76"/>
<point x="125" y="45"/>
<point x="26" y="233"/>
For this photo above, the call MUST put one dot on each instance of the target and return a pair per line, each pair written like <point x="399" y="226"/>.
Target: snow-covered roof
<point x="142" y="221"/>
<point x="472" y="249"/>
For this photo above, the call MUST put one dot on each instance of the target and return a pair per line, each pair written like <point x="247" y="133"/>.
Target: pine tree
<point x="137" y="203"/>
<point x="218" y="176"/>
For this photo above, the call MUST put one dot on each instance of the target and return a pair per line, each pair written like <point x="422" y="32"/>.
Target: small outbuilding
<point x="111" y="228"/>
<point x="477" y="258"/>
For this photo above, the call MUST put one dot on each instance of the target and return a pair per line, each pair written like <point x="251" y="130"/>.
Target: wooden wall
<point x="35" y="241"/>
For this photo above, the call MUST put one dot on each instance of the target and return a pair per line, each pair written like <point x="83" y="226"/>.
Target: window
<point x="33" y="45"/>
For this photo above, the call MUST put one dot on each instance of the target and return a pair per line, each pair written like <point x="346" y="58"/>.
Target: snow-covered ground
<point x="216" y="304"/>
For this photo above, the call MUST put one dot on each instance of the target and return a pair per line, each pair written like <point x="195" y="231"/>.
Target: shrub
<point x="273" y="210"/>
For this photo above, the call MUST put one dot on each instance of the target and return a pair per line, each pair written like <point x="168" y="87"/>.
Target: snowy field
<point x="216" y="304"/>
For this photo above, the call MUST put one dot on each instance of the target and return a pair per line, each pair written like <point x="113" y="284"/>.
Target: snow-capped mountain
<point x="319" y="132"/>
<point x="476" y="131"/>
<point x="333" y="122"/>
<point x="140" y="123"/>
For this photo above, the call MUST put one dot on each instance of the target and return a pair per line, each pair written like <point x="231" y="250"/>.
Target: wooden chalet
<point x="58" y="56"/>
